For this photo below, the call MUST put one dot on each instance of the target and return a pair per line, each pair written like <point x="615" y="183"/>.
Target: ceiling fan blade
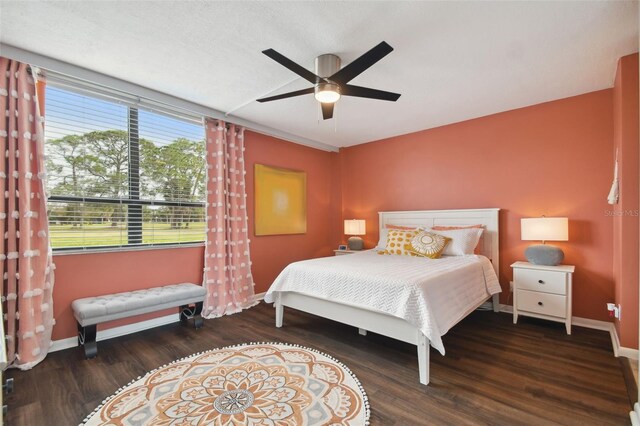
<point x="365" y="92"/>
<point x="292" y="66"/>
<point x="287" y="95"/>
<point x="358" y="66"/>
<point x="327" y="110"/>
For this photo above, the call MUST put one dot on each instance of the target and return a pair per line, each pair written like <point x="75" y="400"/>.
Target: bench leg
<point x="87" y="339"/>
<point x="198" y="321"/>
<point x="187" y="312"/>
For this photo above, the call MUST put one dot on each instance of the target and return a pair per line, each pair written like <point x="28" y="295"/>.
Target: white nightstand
<point x="343" y="252"/>
<point x="542" y="292"/>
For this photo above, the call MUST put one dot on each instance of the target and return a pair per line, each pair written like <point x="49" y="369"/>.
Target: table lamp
<point x="355" y="227"/>
<point x="544" y="229"/>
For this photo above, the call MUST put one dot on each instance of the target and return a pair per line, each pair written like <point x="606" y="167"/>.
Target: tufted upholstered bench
<point x="91" y="311"/>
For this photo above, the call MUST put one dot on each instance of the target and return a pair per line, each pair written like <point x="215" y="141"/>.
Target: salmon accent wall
<point x="92" y="274"/>
<point x="270" y="254"/>
<point x="549" y="159"/>
<point x="625" y="220"/>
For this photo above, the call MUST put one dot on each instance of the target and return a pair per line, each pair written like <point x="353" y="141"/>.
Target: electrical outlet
<point x="615" y="311"/>
<point x="511" y="286"/>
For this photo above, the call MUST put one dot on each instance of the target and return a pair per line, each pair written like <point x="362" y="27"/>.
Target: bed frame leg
<point x="362" y="332"/>
<point x="423" y="358"/>
<point x="496" y="302"/>
<point x="279" y="311"/>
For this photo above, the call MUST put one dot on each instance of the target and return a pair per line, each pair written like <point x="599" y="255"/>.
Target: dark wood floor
<point x="494" y="372"/>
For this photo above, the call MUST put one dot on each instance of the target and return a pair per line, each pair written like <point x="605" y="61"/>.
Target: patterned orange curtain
<point x="25" y="253"/>
<point x="227" y="272"/>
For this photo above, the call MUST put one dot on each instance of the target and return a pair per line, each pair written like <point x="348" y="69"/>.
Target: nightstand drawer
<point x="545" y="281"/>
<point x="542" y="303"/>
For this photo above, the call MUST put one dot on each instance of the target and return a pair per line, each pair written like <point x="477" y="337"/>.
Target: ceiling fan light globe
<point x="327" y="93"/>
<point x="327" y="97"/>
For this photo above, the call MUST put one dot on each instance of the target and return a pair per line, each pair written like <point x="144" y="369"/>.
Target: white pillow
<point x="382" y="242"/>
<point x="463" y="241"/>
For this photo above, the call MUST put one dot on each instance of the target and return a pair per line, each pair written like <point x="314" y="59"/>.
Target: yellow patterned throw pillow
<point x="399" y="242"/>
<point x="427" y="244"/>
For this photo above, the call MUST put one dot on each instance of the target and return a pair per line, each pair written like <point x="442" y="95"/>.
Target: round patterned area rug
<point x="252" y="384"/>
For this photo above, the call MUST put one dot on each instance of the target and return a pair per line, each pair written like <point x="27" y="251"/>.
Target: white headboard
<point x="430" y="218"/>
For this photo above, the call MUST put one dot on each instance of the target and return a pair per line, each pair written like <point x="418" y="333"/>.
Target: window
<point x="120" y="175"/>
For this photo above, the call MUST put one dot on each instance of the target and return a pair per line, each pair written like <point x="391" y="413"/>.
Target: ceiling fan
<point x="330" y="82"/>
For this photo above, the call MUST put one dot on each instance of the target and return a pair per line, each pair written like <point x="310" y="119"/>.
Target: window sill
<point x="94" y="250"/>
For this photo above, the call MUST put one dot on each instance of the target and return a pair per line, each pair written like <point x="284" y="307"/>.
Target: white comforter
<point x="432" y="295"/>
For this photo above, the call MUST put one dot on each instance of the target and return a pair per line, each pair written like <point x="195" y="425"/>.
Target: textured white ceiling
<point x="453" y="61"/>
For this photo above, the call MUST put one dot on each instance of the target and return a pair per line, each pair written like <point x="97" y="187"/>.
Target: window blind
<point x="119" y="174"/>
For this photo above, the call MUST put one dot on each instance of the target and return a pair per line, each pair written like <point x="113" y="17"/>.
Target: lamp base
<point x="543" y="254"/>
<point x="355" y="243"/>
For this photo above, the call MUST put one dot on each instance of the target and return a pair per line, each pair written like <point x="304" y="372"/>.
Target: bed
<point x="397" y="296"/>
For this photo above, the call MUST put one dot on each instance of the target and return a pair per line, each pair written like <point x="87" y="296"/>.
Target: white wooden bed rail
<point x="363" y="319"/>
<point x="382" y="323"/>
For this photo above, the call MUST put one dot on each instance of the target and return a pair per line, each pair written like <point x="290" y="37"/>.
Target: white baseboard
<point x="596" y="325"/>
<point x="591" y="323"/>
<point x="71" y="342"/>
<point x="621" y="350"/>
<point x="58" y="345"/>
<point x="615" y="341"/>
<point x="635" y="415"/>
<point x="507" y="309"/>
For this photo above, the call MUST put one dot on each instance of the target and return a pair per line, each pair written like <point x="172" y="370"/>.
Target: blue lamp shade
<point x="355" y="227"/>
<point x="544" y="229"/>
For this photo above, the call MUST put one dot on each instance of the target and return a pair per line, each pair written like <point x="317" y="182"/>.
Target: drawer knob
<point x="540" y="282"/>
<point x="540" y="304"/>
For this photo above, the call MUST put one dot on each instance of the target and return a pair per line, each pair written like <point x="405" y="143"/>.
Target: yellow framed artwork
<point x="280" y="201"/>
